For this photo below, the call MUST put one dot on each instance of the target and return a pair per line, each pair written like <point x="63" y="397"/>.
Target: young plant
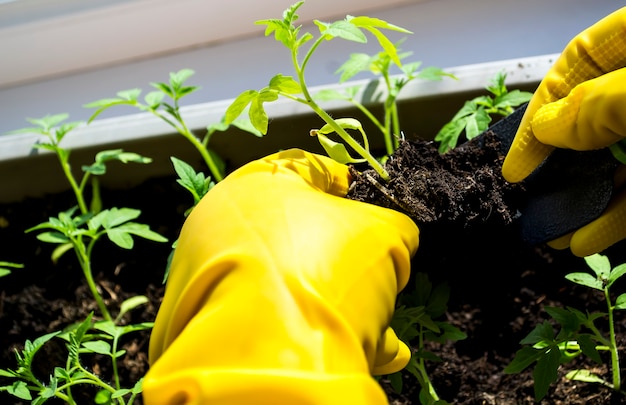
<point x="170" y="113"/>
<point x="476" y="114"/>
<point x="80" y="230"/>
<point x="417" y="321"/>
<point x="578" y="334"/>
<point x="285" y="31"/>
<point x="26" y="385"/>
<point x="380" y="65"/>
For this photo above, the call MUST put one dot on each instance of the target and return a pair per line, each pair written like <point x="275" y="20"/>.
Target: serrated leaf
<point x="448" y="136"/>
<point x="239" y="105"/>
<point x="120" y="238"/>
<point x="546" y="372"/>
<point x="477" y="123"/>
<point x="115" y="216"/>
<point x="357" y="63"/>
<point x="342" y="29"/>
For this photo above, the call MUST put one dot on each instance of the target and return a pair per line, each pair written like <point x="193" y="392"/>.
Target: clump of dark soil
<point x="467" y="216"/>
<point x="462" y="188"/>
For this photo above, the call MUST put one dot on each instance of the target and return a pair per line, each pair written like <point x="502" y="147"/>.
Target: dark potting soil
<point x="468" y="238"/>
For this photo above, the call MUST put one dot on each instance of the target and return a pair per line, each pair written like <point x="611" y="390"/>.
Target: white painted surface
<point x="446" y="33"/>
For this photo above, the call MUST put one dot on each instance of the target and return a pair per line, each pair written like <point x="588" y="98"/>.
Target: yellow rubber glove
<point x="579" y="105"/>
<point x="281" y="292"/>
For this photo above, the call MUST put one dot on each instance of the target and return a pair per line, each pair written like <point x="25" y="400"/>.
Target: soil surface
<point x="468" y="238"/>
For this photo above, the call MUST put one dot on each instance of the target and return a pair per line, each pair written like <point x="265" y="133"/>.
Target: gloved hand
<point x="579" y="105"/>
<point x="281" y="292"/>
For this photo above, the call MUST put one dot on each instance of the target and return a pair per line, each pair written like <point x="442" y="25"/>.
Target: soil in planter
<point x="468" y="238"/>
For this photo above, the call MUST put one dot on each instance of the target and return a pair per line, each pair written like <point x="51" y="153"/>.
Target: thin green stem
<point x="614" y="352"/>
<point x="84" y="259"/>
<point x="116" y="375"/>
<point x="67" y="170"/>
<point x="375" y="164"/>
<point x="200" y="146"/>
<point x="425" y="380"/>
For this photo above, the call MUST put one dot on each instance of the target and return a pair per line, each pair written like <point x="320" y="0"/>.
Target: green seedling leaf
<point x="129" y="95"/>
<point x="240" y="103"/>
<point x="430" y="73"/>
<point x="620" y="302"/>
<point x="99" y="166"/>
<point x="98" y="346"/>
<point x="569" y="320"/>
<point x="341" y="29"/>
<point x="120" y="393"/>
<point x="600" y="265"/>
<point x="132" y="303"/>
<point x="618" y="150"/>
<point x="53" y="237"/>
<point x="154" y="99"/>
<point x="6" y="267"/>
<point x="285" y="84"/>
<point x="47" y="123"/>
<point x="395" y="380"/>
<point x="589" y="347"/>
<point x="541" y="333"/>
<point x="371" y="22"/>
<point x="20" y="390"/>
<point x="113" y="217"/>
<point x="140" y="230"/>
<point x="194" y="182"/>
<point x="138" y="387"/>
<point x="60" y="250"/>
<point x="336" y="150"/>
<point x="357" y="63"/>
<point x="512" y="99"/>
<point x="125" y="97"/>
<point x="616" y="274"/>
<point x="585" y="279"/>
<point x="177" y="79"/>
<point x="103" y="397"/>
<point x="546" y="372"/>
<point x="585" y="376"/>
<point x="257" y="114"/>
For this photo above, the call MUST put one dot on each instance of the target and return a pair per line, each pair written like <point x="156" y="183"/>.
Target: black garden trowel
<point x="568" y="190"/>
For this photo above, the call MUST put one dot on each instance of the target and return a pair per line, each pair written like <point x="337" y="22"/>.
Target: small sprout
<point x="578" y="334"/>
